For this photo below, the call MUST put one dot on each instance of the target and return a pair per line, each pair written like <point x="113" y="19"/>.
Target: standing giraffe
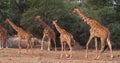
<point x="96" y="30"/>
<point x="47" y="32"/>
<point x="21" y="35"/>
<point x="65" y="38"/>
<point x="3" y="36"/>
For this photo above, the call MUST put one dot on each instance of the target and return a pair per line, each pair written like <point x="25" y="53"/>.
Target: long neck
<point x="43" y="23"/>
<point x="84" y="17"/>
<point x="58" y="28"/>
<point x="13" y="25"/>
<point x="89" y="21"/>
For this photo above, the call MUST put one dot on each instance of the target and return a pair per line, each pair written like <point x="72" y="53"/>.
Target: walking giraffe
<point x="65" y="38"/>
<point x="22" y="34"/>
<point x="96" y="30"/>
<point x="47" y="32"/>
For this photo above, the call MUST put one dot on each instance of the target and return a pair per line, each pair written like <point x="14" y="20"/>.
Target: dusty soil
<point x="10" y="55"/>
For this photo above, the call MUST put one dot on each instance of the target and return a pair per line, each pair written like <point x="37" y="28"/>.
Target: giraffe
<point x="22" y="34"/>
<point x="65" y="38"/>
<point x="47" y="32"/>
<point x="3" y="36"/>
<point x="96" y="31"/>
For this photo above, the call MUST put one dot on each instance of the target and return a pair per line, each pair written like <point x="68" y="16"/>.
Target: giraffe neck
<point x="89" y="21"/>
<point x="58" y="28"/>
<point x="44" y="25"/>
<point x="84" y="17"/>
<point x="13" y="25"/>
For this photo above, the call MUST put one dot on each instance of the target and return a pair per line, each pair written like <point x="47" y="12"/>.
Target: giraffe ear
<point x="38" y="16"/>
<point x="75" y="7"/>
<point x="7" y="19"/>
<point x="55" y="20"/>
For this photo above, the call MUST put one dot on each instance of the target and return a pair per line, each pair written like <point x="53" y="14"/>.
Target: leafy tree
<point x="49" y="11"/>
<point x="12" y="9"/>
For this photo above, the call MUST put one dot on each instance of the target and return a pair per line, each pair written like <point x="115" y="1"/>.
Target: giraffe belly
<point x="64" y="37"/>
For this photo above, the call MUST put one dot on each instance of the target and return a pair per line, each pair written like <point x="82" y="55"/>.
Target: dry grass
<point x="11" y="55"/>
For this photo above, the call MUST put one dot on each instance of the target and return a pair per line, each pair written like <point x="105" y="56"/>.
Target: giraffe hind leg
<point x="69" y="55"/>
<point x="19" y="45"/>
<point x="110" y="47"/>
<point x="42" y="42"/>
<point x="30" y="45"/>
<point x="49" y="43"/>
<point x="0" y="44"/>
<point x="96" y="47"/>
<point x="102" y="47"/>
<point x="62" y="49"/>
<point x="55" y="45"/>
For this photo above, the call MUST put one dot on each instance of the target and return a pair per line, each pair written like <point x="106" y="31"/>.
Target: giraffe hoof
<point x="112" y="56"/>
<point x="55" y="49"/>
<point x="6" y="47"/>
<point x="41" y="49"/>
<point x="19" y="52"/>
<point x="68" y="58"/>
<point x="86" y="56"/>
<point x="98" y="58"/>
<point x="1" y="48"/>
<point x="48" y="49"/>
<point x="61" y="55"/>
<point x="67" y="55"/>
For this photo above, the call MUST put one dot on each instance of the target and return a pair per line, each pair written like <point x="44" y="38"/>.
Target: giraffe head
<point x="6" y="21"/>
<point x="36" y="18"/>
<point x="74" y="10"/>
<point x="54" y="22"/>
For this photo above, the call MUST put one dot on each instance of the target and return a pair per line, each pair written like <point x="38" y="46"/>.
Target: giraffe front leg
<point x="6" y="44"/>
<point x="0" y="44"/>
<point x="42" y="42"/>
<point x="19" y="45"/>
<point x="30" y="45"/>
<point x="102" y="47"/>
<point x="49" y="43"/>
<point x="61" y="50"/>
<point x="70" y="52"/>
<point x="96" y="47"/>
<point x="86" y="56"/>
<point x="55" y="45"/>
<point x="110" y="47"/>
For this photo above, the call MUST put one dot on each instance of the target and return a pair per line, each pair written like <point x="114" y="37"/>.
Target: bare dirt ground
<point x="10" y="55"/>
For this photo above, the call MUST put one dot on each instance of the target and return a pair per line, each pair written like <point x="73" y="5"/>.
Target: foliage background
<point x="22" y="12"/>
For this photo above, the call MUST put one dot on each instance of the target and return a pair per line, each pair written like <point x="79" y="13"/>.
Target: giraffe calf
<point x="65" y="38"/>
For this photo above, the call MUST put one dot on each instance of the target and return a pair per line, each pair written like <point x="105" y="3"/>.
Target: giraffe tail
<point x="73" y="42"/>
